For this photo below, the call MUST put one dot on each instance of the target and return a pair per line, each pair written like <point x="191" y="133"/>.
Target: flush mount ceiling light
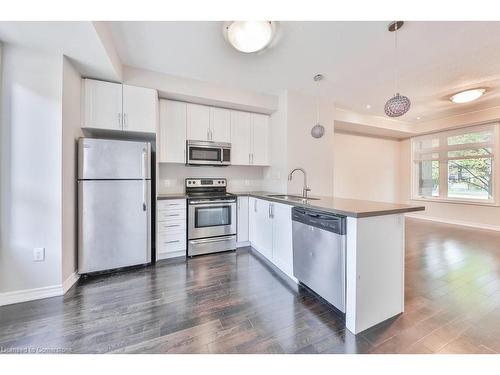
<point x="250" y="36"/>
<point x="467" y="95"/>
<point x="398" y="105"/>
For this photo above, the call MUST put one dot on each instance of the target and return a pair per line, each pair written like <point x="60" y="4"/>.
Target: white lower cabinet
<point x="282" y="237"/>
<point x="242" y="220"/>
<point x="270" y="232"/>
<point x="170" y="228"/>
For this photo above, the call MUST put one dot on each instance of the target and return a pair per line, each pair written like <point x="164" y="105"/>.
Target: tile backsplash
<point x="240" y="178"/>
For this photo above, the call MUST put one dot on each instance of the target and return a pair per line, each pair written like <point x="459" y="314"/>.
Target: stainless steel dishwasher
<point x="319" y="249"/>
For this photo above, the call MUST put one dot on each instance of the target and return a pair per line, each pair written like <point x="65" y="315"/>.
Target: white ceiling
<point x="83" y="42"/>
<point x="436" y="59"/>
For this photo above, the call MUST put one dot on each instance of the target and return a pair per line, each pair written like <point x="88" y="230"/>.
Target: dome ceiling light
<point x="250" y="36"/>
<point x="467" y="95"/>
<point x="398" y="105"/>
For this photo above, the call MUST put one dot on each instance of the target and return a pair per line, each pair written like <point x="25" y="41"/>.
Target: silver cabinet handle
<point x="208" y="134"/>
<point x="174" y="241"/>
<point x="272" y="210"/>
<point x="125" y="125"/>
<point x="255" y="205"/>
<point x="252" y="157"/>
<point x="172" y="226"/>
<point x="120" y="120"/>
<point x="249" y="162"/>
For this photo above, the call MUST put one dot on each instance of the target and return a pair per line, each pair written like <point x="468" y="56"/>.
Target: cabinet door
<point x="140" y="109"/>
<point x="260" y="139"/>
<point x="264" y="229"/>
<point x="198" y="122"/>
<point x="240" y="138"/>
<point x="252" y="219"/>
<point x="102" y="102"/>
<point x="220" y="125"/>
<point x="242" y="219"/>
<point x="282" y="237"/>
<point x="172" y="132"/>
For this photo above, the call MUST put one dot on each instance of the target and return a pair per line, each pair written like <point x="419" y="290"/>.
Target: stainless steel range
<point x="211" y="216"/>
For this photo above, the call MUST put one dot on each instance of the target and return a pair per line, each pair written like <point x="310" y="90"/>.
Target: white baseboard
<point x="70" y="281"/>
<point x="468" y="224"/>
<point x="25" y="295"/>
<point x="242" y="244"/>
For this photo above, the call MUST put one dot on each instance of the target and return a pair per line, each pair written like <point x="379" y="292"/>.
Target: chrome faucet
<point x="305" y="189"/>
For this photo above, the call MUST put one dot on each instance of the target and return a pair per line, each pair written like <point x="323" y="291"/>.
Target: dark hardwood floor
<point x="235" y="303"/>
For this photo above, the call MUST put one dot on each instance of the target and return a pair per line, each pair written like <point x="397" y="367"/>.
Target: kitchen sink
<point x="296" y="198"/>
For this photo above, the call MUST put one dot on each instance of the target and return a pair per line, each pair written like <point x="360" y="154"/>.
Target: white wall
<point x="30" y="183"/>
<point x="71" y="92"/>
<point x="314" y="155"/>
<point x="240" y="178"/>
<point x="367" y="167"/>
<point x="191" y="90"/>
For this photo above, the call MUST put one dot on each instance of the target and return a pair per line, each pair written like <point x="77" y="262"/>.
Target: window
<point x="456" y="165"/>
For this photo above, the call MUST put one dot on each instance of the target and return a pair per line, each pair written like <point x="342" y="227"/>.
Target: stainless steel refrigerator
<point x="114" y="204"/>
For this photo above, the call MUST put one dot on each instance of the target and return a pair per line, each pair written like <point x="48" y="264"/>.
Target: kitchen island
<point x="375" y="253"/>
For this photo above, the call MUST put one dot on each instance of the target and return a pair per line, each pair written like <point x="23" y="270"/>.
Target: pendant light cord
<point x="317" y="102"/>
<point x="396" y="59"/>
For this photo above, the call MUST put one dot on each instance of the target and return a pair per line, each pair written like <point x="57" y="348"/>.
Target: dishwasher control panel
<point x="326" y="221"/>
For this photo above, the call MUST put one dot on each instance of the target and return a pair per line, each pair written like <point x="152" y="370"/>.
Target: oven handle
<point x="211" y="202"/>
<point x="209" y="240"/>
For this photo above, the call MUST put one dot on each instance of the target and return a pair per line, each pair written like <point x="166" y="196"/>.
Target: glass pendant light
<point x="317" y="130"/>
<point x="398" y="105"/>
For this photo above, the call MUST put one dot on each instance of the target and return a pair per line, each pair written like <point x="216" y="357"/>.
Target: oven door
<point x="211" y="219"/>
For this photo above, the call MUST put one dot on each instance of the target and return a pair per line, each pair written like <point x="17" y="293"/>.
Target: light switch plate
<point x="38" y="254"/>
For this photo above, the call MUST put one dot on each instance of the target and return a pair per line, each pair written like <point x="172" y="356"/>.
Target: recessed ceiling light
<point x="368" y="106"/>
<point x="418" y="117"/>
<point x="467" y="95"/>
<point x="250" y="36"/>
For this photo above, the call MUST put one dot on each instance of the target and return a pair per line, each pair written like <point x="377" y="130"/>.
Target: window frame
<point x="443" y="164"/>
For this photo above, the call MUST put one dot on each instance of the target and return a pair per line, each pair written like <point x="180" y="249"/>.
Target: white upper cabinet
<point x="208" y="123"/>
<point x="249" y="138"/>
<point x="198" y="122"/>
<point x="240" y="137"/>
<point x="140" y="109"/>
<point x="113" y="106"/>
<point x="260" y="139"/>
<point x="172" y="132"/>
<point x="220" y="125"/>
<point x="102" y="105"/>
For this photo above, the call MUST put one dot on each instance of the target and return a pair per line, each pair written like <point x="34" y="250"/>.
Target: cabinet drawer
<point x="171" y="242"/>
<point x="171" y="215"/>
<point x="171" y="204"/>
<point x="174" y="226"/>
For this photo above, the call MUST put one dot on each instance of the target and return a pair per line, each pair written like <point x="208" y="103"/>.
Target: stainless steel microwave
<point x="208" y="153"/>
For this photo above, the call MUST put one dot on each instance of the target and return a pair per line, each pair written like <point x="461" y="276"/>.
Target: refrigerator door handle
<point x="144" y="189"/>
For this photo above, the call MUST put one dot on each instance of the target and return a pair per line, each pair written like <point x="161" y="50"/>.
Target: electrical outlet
<point x="247" y="182"/>
<point x="38" y="254"/>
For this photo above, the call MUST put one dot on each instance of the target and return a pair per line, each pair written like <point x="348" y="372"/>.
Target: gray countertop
<point x="171" y="196"/>
<point x="348" y="207"/>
